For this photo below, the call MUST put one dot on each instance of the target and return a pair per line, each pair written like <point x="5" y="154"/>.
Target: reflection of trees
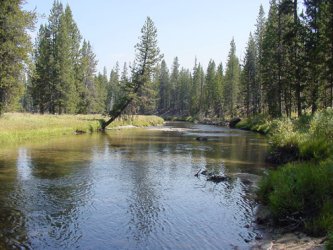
<point x="144" y="206"/>
<point x="13" y="233"/>
<point x="52" y="185"/>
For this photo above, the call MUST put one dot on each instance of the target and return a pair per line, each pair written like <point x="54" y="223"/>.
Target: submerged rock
<point x="234" y="121"/>
<point x="218" y="178"/>
<point x="79" y="132"/>
<point x="201" y="139"/>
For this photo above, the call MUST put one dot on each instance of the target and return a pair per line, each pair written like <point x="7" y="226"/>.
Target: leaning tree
<point x="146" y="58"/>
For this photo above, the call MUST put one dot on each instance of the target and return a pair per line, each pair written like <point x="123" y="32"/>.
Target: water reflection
<point x="131" y="189"/>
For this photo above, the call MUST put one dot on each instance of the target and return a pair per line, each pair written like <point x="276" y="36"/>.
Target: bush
<point x="329" y="242"/>
<point x="322" y="124"/>
<point x="322" y="223"/>
<point x="302" y="191"/>
<point x="259" y="123"/>
<point x="315" y="148"/>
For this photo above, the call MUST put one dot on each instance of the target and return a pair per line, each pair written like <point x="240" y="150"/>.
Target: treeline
<point x="64" y="78"/>
<point x="287" y="69"/>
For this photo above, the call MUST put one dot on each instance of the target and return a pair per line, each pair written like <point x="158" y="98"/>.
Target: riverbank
<point x="20" y="127"/>
<point x="299" y="191"/>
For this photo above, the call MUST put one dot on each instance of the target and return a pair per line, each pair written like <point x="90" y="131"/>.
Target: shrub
<point x="322" y="124"/>
<point x="329" y="242"/>
<point x="258" y="123"/>
<point x="302" y="191"/>
<point x="315" y="147"/>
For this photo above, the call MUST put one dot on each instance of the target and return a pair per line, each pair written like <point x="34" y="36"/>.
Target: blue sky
<point x="186" y="28"/>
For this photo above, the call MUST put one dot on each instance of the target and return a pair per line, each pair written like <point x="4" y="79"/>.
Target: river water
<point x="132" y="189"/>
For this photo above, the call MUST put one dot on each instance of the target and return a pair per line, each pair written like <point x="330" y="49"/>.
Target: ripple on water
<point x="132" y="190"/>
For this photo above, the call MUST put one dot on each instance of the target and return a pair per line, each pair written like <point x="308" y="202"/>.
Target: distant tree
<point x="42" y="82"/>
<point x="164" y="88"/>
<point x="113" y="90"/>
<point x="54" y="64"/>
<point x="174" y="93"/>
<point x="87" y="91"/>
<point x="250" y="87"/>
<point x="271" y="63"/>
<point x="147" y="57"/>
<point x="259" y="38"/>
<point x="314" y="57"/>
<point x="15" y="46"/>
<point x="101" y="82"/>
<point x="184" y="85"/>
<point x="218" y="100"/>
<point x="232" y="82"/>
<point x="210" y="88"/>
<point x="326" y="40"/>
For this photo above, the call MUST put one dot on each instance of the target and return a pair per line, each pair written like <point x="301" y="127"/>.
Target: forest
<point x="283" y="87"/>
<point x="287" y="69"/>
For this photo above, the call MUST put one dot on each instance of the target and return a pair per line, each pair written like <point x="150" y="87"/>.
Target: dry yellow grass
<point x="19" y="127"/>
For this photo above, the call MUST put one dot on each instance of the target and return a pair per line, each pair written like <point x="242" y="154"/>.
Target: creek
<point x="132" y="189"/>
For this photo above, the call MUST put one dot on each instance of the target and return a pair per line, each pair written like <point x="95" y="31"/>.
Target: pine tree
<point x="184" y="84"/>
<point x="174" y="98"/>
<point x="54" y="70"/>
<point x="218" y="100"/>
<point x="314" y="55"/>
<point x="250" y="87"/>
<point x="164" y="88"/>
<point x="113" y="89"/>
<point x="101" y="82"/>
<point x="147" y="57"/>
<point x="42" y="82"/>
<point x="210" y="88"/>
<point x="88" y="93"/>
<point x="326" y="27"/>
<point x="259" y="38"/>
<point x="232" y="82"/>
<point x="271" y="63"/>
<point x="14" y="48"/>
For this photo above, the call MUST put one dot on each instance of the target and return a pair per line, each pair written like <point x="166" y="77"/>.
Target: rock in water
<point x="234" y="121"/>
<point x="202" y="139"/>
<point x="218" y="178"/>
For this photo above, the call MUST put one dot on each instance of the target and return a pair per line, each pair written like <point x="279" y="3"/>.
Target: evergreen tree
<point x="184" y="84"/>
<point x="210" y="88"/>
<point x="42" y="82"/>
<point x="101" y="82"/>
<point x="218" y="100"/>
<point x="14" y="48"/>
<point x="174" y="98"/>
<point x="164" y="88"/>
<point x="147" y="57"/>
<point x="113" y="88"/>
<point x="232" y="82"/>
<point x="326" y="38"/>
<point x="195" y="90"/>
<point x="250" y="86"/>
<point x="314" y="50"/>
<point x="54" y="70"/>
<point x="271" y="62"/>
<point x="88" y="92"/>
<point x="259" y="38"/>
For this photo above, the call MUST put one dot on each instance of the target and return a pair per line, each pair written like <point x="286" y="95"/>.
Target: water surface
<point x="132" y="189"/>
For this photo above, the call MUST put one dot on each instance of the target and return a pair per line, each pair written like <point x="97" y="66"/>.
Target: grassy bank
<point x="20" y="127"/>
<point x="300" y="193"/>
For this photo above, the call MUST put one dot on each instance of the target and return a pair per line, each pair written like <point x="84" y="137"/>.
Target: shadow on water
<point x="132" y="189"/>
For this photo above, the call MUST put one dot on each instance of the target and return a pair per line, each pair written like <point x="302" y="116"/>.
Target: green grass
<point x="303" y="190"/>
<point x="305" y="138"/>
<point x="260" y="123"/>
<point x="20" y="127"/>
